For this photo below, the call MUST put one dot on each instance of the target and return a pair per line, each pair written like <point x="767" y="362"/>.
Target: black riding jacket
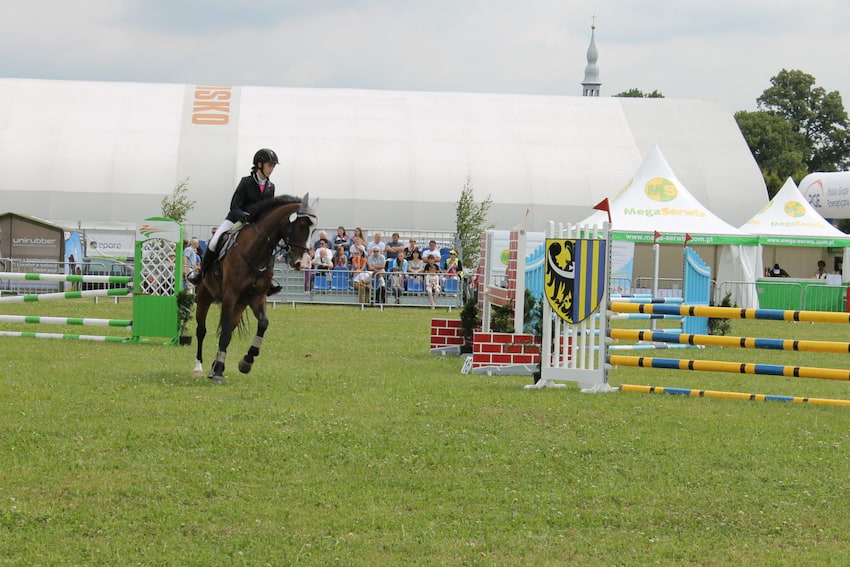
<point x="247" y="193"/>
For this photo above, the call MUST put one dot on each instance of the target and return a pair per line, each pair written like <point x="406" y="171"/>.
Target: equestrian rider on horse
<point x="252" y="188"/>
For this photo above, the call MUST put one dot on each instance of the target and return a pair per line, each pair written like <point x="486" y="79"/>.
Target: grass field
<point x="350" y="444"/>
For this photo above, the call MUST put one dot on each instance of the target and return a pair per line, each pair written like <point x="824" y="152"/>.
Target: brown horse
<point x="242" y="278"/>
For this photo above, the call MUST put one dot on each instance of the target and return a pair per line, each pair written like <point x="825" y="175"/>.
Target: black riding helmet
<point x="265" y="155"/>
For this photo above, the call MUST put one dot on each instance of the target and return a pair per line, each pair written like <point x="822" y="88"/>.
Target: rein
<point x="272" y="246"/>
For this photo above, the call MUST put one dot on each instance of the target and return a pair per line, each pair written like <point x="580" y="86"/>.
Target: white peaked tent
<point x="656" y="200"/>
<point x="789" y="220"/>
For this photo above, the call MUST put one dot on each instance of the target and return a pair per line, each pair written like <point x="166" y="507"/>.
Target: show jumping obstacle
<point x="733" y="395"/>
<point x="155" y="286"/>
<point x="592" y="375"/>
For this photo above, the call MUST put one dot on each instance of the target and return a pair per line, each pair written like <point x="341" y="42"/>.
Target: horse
<point x="242" y="277"/>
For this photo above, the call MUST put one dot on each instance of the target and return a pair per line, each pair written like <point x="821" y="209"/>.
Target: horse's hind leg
<point x="202" y="303"/>
<point x="259" y="309"/>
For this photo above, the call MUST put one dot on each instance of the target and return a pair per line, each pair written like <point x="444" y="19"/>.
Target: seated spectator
<point x="362" y="277"/>
<point x="821" y="273"/>
<point x="341" y="239"/>
<point x="377" y="264"/>
<point x="432" y="251"/>
<point x="394" y="248"/>
<point x="323" y="259"/>
<point x="777" y="272"/>
<point x="376" y="241"/>
<point x="397" y="262"/>
<point x="415" y="265"/>
<point x="358" y="244"/>
<point x="453" y="266"/>
<point x="358" y="233"/>
<point x="432" y="279"/>
<point x="341" y="258"/>
<point x="410" y="248"/>
<point x="322" y="236"/>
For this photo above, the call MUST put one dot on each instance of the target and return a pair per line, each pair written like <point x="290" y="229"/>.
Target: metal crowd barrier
<point x="337" y="288"/>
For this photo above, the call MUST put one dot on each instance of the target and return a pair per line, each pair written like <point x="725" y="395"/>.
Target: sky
<point x="723" y="50"/>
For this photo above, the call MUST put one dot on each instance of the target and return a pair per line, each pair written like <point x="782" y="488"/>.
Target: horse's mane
<point x="261" y="208"/>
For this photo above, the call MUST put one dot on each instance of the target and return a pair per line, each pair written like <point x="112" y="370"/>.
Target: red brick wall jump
<point x="446" y="332"/>
<point x="505" y="349"/>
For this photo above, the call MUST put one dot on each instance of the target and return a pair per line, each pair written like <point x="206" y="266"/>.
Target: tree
<point x="635" y="92"/>
<point x="177" y="206"/>
<point x="471" y="222"/>
<point x="777" y="148"/>
<point x="817" y="115"/>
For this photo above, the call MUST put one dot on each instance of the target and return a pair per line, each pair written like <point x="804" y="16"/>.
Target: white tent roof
<point x="656" y="200"/>
<point x="789" y="220"/>
<point x="109" y="152"/>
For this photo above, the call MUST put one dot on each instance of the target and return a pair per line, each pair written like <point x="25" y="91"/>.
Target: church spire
<point x="590" y="84"/>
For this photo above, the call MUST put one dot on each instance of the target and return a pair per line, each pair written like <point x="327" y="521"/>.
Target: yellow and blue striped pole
<point x="731" y="342"/>
<point x="735" y="367"/>
<point x="730" y="312"/>
<point x="733" y="395"/>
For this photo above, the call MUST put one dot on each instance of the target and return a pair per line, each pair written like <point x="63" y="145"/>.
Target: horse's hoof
<point x="217" y="379"/>
<point x="244" y="367"/>
<point x="197" y="373"/>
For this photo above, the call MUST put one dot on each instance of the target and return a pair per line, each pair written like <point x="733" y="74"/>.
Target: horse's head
<point x="301" y="223"/>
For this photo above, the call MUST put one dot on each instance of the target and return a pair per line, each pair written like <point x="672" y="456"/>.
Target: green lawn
<point x="350" y="444"/>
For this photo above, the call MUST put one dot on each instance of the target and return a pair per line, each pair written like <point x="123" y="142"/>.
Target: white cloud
<point x="687" y="48"/>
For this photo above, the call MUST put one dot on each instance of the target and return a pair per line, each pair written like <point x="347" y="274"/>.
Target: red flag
<point x="603" y="206"/>
<point x="655" y="237"/>
<point x="687" y="237"/>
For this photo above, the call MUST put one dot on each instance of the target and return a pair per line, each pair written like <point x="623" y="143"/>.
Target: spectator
<point x="377" y="264"/>
<point x="340" y="259"/>
<point x="322" y="236"/>
<point x="453" y="266"/>
<point x="432" y="251"/>
<point x="777" y="272"/>
<point x="394" y="248"/>
<point x="341" y="239"/>
<point x="358" y="233"/>
<point x="307" y="260"/>
<point x="362" y="277"/>
<point x="358" y="244"/>
<point x="415" y="265"/>
<point x="432" y="279"/>
<point x="397" y="278"/>
<point x="377" y="242"/>
<point x="821" y="273"/>
<point x="323" y="259"/>
<point x="410" y="248"/>
<point x="191" y="259"/>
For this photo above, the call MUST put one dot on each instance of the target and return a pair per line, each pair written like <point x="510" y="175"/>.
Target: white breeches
<point x="222" y="228"/>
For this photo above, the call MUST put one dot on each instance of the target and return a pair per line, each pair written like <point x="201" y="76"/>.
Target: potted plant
<point x="469" y="321"/>
<point x="185" y="306"/>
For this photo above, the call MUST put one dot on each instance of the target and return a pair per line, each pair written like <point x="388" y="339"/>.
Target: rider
<point x="252" y="188"/>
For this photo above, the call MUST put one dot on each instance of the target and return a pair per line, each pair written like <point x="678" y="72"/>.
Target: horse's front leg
<point x="202" y="302"/>
<point x="259" y="309"/>
<point x="230" y="315"/>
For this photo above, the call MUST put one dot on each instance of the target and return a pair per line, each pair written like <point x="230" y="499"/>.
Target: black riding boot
<point x="195" y="277"/>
